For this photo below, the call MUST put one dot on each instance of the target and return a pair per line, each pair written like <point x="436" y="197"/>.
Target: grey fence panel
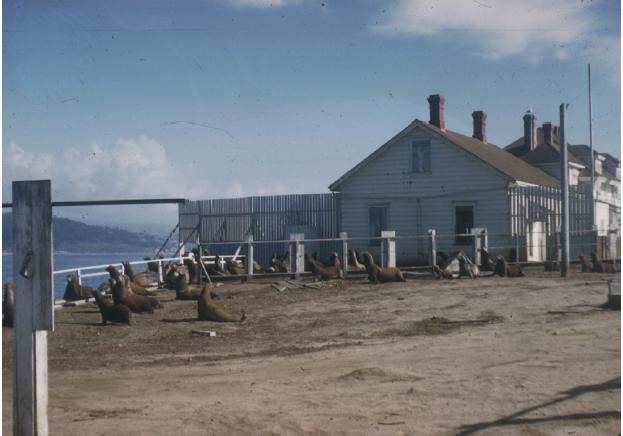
<point x="267" y="218"/>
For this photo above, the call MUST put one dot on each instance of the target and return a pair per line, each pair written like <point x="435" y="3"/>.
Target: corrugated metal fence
<point x="221" y="224"/>
<point x="543" y="204"/>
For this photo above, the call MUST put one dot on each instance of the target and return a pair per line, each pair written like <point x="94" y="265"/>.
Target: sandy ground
<point x="536" y="355"/>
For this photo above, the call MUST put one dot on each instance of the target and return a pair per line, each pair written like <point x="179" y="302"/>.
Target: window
<point x="421" y="156"/>
<point x="377" y="223"/>
<point x="463" y="221"/>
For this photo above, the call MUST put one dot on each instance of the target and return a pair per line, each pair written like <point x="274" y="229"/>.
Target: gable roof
<point x="583" y="152"/>
<point x="490" y="154"/>
<point x="516" y="147"/>
<point x="549" y="153"/>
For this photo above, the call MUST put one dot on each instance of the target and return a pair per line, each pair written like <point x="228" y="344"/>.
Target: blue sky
<point x="206" y="99"/>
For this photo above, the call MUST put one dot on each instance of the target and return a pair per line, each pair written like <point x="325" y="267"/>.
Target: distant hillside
<point x="76" y="237"/>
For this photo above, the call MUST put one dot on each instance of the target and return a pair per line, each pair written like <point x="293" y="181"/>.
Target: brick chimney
<point x="529" y="131"/>
<point x="480" y="125"/>
<point x="436" y="103"/>
<point x="548" y="132"/>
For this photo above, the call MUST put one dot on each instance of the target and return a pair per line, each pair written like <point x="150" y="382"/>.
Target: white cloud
<point x="495" y="28"/>
<point x="130" y="168"/>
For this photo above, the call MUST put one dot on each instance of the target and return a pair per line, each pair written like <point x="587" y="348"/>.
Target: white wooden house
<point x="429" y="177"/>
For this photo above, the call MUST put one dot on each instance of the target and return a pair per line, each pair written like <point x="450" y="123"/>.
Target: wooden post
<point x="344" y="238"/>
<point x="388" y="248"/>
<point x="34" y="304"/>
<point x="433" y="246"/>
<point x="476" y="245"/>
<point x="160" y="278"/>
<point x="249" y="259"/>
<point x="298" y="253"/>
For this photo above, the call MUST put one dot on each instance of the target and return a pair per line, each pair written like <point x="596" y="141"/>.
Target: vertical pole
<point x="344" y="238"/>
<point x="564" y="184"/>
<point x="590" y="138"/>
<point x="517" y="247"/>
<point x="558" y="248"/>
<point x="298" y="251"/>
<point x="79" y="276"/>
<point x="249" y="239"/>
<point x="485" y="239"/>
<point x="476" y="245"/>
<point x="34" y="302"/>
<point x="388" y="248"/>
<point x="160" y="278"/>
<point x="433" y="246"/>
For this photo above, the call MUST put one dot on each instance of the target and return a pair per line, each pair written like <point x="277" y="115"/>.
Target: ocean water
<point x="73" y="260"/>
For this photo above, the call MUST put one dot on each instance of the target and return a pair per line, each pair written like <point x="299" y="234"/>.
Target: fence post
<point x="298" y="240"/>
<point x="558" y="248"/>
<point x="79" y="277"/>
<point x="612" y="243"/>
<point x="160" y="274"/>
<point x="249" y="239"/>
<point x="388" y="248"/>
<point x="344" y="238"/>
<point x="476" y="245"/>
<point x="517" y="256"/>
<point x="433" y="246"/>
<point x="34" y="304"/>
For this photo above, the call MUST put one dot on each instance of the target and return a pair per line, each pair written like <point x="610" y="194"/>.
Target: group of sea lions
<point x="460" y="265"/>
<point x="596" y="265"/>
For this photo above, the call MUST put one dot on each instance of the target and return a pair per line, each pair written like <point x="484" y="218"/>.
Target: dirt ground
<point x="535" y="355"/>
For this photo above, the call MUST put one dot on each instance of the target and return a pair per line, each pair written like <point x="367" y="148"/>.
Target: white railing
<point x="78" y="271"/>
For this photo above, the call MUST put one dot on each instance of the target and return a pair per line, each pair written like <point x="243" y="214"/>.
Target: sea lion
<point x="353" y="261"/>
<point x="257" y="268"/>
<point x="183" y="291"/>
<point x="120" y="293"/>
<point x="377" y="274"/>
<point x="234" y="267"/>
<point x="208" y="310"/>
<point x="467" y="268"/>
<point x="8" y="305"/>
<point x="443" y="257"/>
<point x="75" y="291"/>
<point x="442" y="273"/>
<point x="193" y="272"/>
<point x="324" y="272"/>
<point x="118" y="313"/>
<point x="586" y="266"/>
<point x="602" y="267"/>
<point x="153" y="266"/>
<point x="485" y="260"/>
<point x="142" y="279"/>
<point x="280" y="263"/>
<point x="503" y="269"/>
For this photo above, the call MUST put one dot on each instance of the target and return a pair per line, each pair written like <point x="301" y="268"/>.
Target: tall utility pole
<point x="564" y="190"/>
<point x="590" y="138"/>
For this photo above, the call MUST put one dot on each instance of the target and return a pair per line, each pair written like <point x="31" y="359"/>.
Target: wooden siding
<point x="421" y="201"/>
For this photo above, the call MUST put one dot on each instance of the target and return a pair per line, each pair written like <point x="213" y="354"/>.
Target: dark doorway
<point x="463" y="221"/>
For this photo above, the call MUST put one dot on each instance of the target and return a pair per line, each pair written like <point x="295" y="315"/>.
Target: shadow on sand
<point x="518" y="419"/>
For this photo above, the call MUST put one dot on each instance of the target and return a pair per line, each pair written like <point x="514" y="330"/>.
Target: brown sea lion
<point x="8" y="305"/>
<point x="142" y="279"/>
<point x="324" y="272"/>
<point x="602" y="267"/>
<point x="377" y="274"/>
<point x="118" y="313"/>
<point x="120" y="285"/>
<point x="353" y="261"/>
<point x="75" y="291"/>
<point x="153" y="266"/>
<point x="193" y="272"/>
<point x="504" y="269"/>
<point x="280" y="263"/>
<point x="586" y="266"/>
<point x="183" y="291"/>
<point x="234" y="267"/>
<point x="208" y="310"/>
